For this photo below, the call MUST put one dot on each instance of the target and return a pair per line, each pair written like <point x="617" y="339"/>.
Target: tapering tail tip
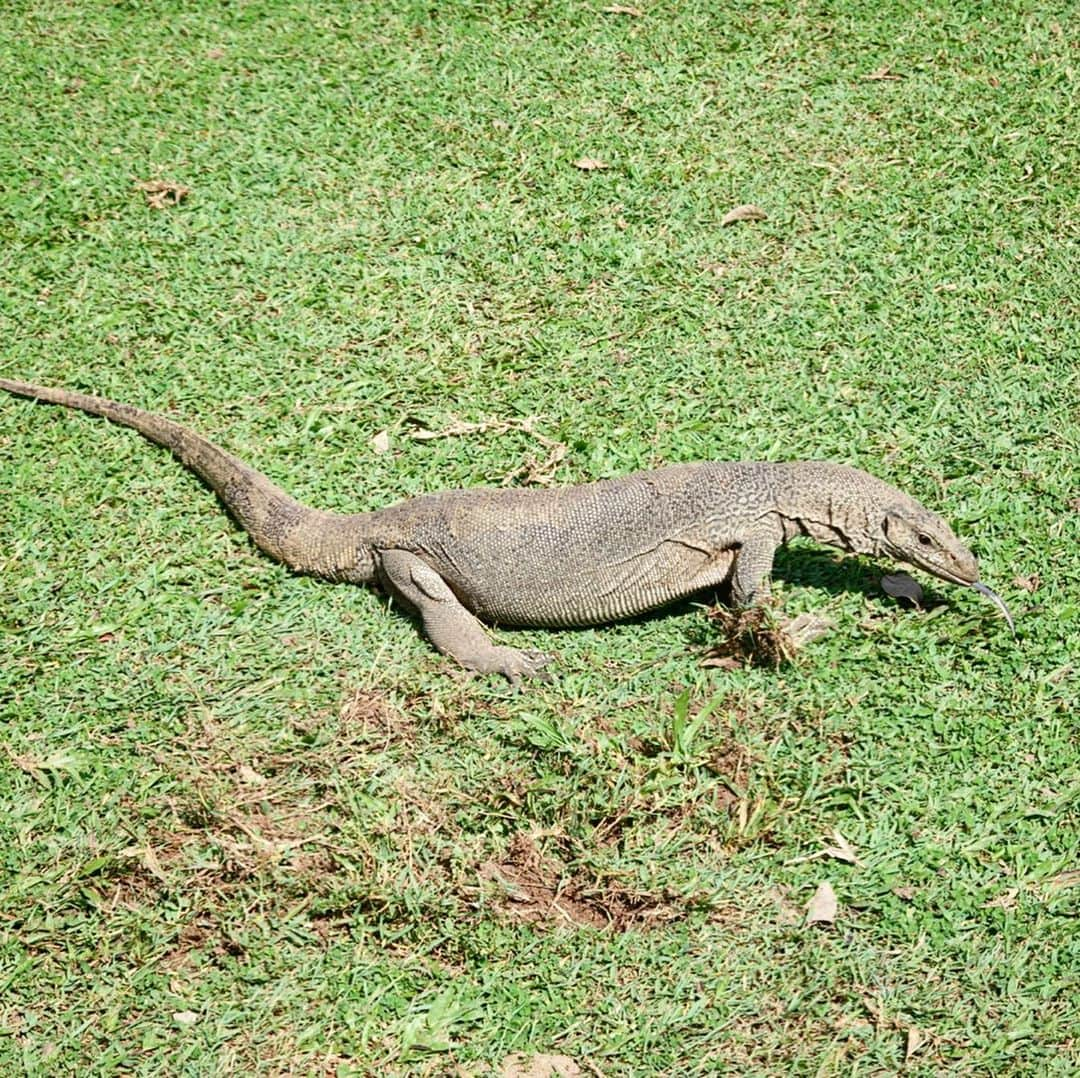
<point x="996" y="599"/>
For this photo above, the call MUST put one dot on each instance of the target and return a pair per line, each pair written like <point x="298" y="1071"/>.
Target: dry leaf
<point x="883" y="74"/>
<point x="915" y="1040"/>
<point x="381" y="443"/>
<point x="622" y="9"/>
<point x="185" y="1018"/>
<point x="149" y="859"/>
<point x="527" y="1065"/>
<point x="590" y="164"/>
<point x="532" y="471"/>
<point x="842" y="850"/>
<point x="538" y="472"/>
<point x="1028" y="583"/>
<point x="746" y="212"/>
<point x="162" y="193"/>
<point x="250" y="776"/>
<point x="823" y="906"/>
<point x="902" y="586"/>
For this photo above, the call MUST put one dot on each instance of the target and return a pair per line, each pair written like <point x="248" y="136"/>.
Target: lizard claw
<point x="515" y="664"/>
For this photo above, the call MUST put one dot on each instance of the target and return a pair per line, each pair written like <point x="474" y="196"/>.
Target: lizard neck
<point x="833" y="504"/>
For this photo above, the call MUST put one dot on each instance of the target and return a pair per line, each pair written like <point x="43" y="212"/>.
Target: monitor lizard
<point x="565" y="556"/>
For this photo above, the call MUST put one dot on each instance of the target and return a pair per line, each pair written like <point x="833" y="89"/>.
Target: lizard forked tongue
<point x="996" y="599"/>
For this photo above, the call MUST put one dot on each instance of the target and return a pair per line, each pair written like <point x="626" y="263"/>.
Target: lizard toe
<point x="515" y="664"/>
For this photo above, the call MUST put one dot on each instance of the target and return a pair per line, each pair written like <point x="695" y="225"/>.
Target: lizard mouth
<point x="996" y="599"/>
<point x="941" y="573"/>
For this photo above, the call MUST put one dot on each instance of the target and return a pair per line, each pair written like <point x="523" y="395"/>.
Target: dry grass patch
<point x="748" y="637"/>
<point x="534" y="887"/>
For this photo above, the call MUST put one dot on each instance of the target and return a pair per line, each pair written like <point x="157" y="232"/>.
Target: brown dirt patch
<point x="732" y="765"/>
<point x="747" y="638"/>
<point x="532" y="887"/>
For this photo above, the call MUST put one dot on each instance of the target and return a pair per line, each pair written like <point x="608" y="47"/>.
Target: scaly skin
<point x="579" y="555"/>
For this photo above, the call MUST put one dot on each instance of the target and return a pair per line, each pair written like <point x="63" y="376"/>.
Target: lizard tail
<point x="307" y="540"/>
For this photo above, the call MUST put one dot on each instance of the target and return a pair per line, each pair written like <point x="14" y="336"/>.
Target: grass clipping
<point x="753" y="637"/>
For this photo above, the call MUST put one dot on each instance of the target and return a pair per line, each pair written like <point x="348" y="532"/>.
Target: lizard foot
<point x="514" y="664"/>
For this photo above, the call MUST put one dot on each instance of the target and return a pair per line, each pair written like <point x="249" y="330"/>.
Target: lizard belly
<point x="592" y="594"/>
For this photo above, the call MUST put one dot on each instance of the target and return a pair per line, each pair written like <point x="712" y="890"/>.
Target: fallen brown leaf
<point x="747" y="212"/>
<point x="249" y="776"/>
<point x="532" y="471"/>
<point x="1006" y="900"/>
<point x="162" y="193"/>
<point x="823" y="906"/>
<point x="915" y="1040"/>
<point x="380" y="443"/>
<point x="535" y="471"/>
<point x="842" y="850"/>
<point x="1028" y="583"/>
<point x="749" y="635"/>
<point x="590" y="164"/>
<point x="882" y="74"/>
<point x="148" y="858"/>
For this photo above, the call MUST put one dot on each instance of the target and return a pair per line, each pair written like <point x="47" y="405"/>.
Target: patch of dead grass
<point x="272" y="826"/>
<point x="748" y="637"/>
<point x="533" y="887"/>
<point x="368" y="716"/>
<point x="240" y="810"/>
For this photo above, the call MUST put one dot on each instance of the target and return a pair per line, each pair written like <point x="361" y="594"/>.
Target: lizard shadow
<point x="803" y="567"/>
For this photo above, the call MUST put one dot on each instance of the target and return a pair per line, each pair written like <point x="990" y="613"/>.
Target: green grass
<point x="250" y="823"/>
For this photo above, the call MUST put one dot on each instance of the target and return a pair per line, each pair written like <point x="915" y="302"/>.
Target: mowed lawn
<point x="251" y="823"/>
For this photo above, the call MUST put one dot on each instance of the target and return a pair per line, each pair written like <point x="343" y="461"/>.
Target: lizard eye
<point x="925" y="540"/>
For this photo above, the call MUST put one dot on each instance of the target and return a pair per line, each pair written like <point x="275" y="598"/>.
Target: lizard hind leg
<point x="450" y="627"/>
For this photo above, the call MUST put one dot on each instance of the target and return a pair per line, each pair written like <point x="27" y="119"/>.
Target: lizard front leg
<point x="753" y="566"/>
<point x="750" y="587"/>
<point x="448" y="625"/>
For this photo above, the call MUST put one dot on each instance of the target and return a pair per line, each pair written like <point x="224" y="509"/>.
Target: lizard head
<point x="912" y="534"/>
